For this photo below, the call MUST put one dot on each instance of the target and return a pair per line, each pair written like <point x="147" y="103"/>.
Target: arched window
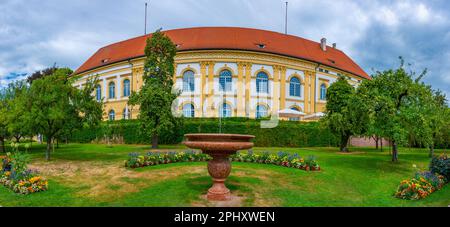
<point x="98" y="92"/>
<point x="112" y="115"/>
<point x="126" y="88"/>
<point x="261" y="111"/>
<point x="262" y="83"/>
<point x="225" y="110"/>
<point x="126" y="114"/>
<point x="188" y="110"/>
<point x="188" y="81"/>
<point x="112" y="90"/>
<point x="294" y="87"/>
<point x="225" y="79"/>
<point x="323" y="92"/>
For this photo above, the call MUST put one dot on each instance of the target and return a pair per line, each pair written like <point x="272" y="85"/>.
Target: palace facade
<point x="227" y="71"/>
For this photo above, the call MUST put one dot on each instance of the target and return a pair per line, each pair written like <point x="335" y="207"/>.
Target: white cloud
<point x="373" y="33"/>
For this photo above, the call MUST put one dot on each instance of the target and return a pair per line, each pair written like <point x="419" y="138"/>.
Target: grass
<point x="93" y="175"/>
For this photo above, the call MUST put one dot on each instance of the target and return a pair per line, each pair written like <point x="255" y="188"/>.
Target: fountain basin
<point x="219" y="147"/>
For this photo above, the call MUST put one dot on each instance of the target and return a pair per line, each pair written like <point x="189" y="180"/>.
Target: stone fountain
<point x="219" y="147"/>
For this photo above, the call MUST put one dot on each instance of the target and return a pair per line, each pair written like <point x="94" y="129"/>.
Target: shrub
<point x="441" y="165"/>
<point x="287" y="134"/>
<point x="281" y="158"/>
<point x="135" y="160"/>
<point x="155" y="158"/>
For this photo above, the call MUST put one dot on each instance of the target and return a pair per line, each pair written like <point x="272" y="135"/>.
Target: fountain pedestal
<point x="219" y="147"/>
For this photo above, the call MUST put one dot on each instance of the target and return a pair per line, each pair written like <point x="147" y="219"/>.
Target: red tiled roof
<point x="228" y="38"/>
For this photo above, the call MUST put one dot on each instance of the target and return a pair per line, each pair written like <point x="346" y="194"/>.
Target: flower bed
<point x="15" y="175"/>
<point x="136" y="160"/>
<point x="155" y="158"/>
<point x="281" y="158"/>
<point x="426" y="182"/>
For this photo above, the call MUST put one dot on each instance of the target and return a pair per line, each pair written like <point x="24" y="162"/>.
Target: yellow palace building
<point x="228" y="72"/>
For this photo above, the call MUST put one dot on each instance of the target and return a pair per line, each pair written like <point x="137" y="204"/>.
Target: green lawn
<point x="93" y="175"/>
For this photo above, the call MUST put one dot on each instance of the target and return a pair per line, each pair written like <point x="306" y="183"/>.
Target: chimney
<point x="334" y="45"/>
<point x="323" y="44"/>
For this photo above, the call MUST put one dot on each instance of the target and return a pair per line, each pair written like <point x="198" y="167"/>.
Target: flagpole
<point x="145" y="22"/>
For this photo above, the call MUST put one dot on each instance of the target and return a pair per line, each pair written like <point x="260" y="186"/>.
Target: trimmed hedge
<point x="287" y="134"/>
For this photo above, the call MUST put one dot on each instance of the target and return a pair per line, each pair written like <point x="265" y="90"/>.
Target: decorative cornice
<point x="244" y="57"/>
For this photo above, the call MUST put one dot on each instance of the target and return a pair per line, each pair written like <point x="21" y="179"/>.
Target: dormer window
<point x="332" y="61"/>
<point x="261" y="45"/>
<point x="105" y="60"/>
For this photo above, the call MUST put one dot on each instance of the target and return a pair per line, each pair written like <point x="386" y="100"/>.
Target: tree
<point x="18" y="122"/>
<point x="346" y="112"/>
<point x="55" y="105"/>
<point x="41" y="73"/>
<point x="438" y="119"/>
<point x="3" y="117"/>
<point x="155" y="97"/>
<point x="397" y="102"/>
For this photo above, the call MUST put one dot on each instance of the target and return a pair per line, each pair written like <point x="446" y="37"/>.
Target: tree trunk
<point x="155" y="141"/>
<point x="376" y="142"/>
<point x="381" y="142"/>
<point x="2" y="140"/>
<point x="47" y="153"/>
<point x="57" y="143"/>
<point x="431" y="154"/>
<point x="343" y="145"/>
<point x="17" y="138"/>
<point x="394" y="152"/>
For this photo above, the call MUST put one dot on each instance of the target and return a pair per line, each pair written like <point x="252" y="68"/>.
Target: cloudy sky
<point x="38" y="33"/>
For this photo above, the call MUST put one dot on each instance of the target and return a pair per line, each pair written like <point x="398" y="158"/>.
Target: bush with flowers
<point x="425" y="182"/>
<point x="281" y="158"/>
<point x="15" y="175"/>
<point x="440" y="164"/>
<point x="419" y="187"/>
<point x="136" y="160"/>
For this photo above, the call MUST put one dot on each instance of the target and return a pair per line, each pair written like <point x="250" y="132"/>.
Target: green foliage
<point x="56" y="107"/>
<point x="347" y="113"/>
<point x="18" y="122"/>
<point x="19" y="162"/>
<point x="156" y="97"/>
<point x="5" y="98"/>
<point x="287" y="134"/>
<point x="402" y="108"/>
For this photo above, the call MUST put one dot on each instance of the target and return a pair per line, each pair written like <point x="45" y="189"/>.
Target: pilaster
<point x="307" y="93"/>
<point x="248" y="77"/>
<point x="240" y="91"/>
<point x="210" y="109"/>
<point x="313" y="91"/>
<point x="203" y="66"/>
<point x="282" y="71"/>
<point x="276" y="90"/>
